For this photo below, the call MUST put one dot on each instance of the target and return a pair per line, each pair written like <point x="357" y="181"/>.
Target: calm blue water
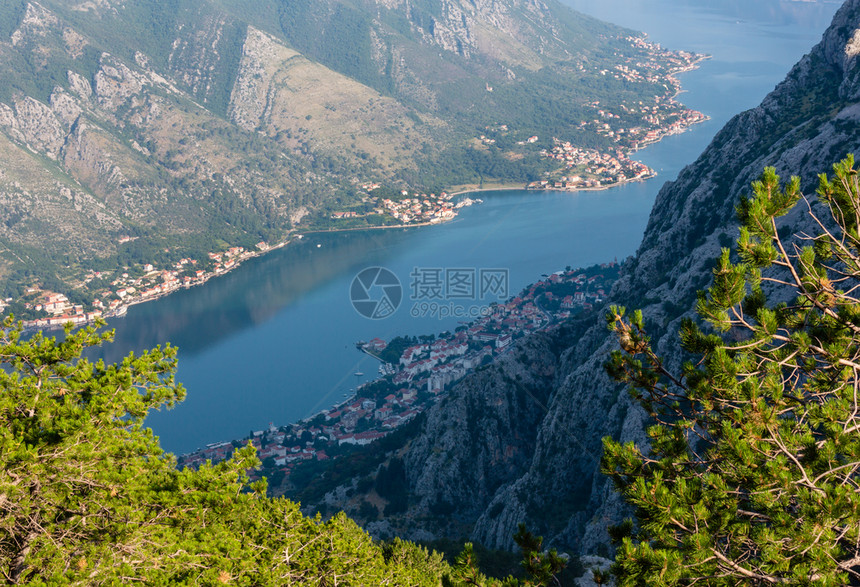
<point x="273" y="340"/>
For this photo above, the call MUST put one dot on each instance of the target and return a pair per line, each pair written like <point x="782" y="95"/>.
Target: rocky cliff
<point x="551" y="479"/>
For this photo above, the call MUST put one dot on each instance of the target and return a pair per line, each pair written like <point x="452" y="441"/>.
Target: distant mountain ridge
<point x="190" y="126"/>
<point x="520" y="440"/>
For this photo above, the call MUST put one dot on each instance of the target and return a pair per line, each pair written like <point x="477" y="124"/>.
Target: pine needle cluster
<point x="752" y="475"/>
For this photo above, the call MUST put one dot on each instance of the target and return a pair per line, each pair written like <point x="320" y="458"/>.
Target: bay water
<point x="273" y="341"/>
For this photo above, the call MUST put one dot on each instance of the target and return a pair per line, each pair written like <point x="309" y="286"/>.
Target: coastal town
<point x="589" y="169"/>
<point x="414" y="373"/>
<point x="400" y="207"/>
<point x="579" y="168"/>
<point x="115" y="291"/>
<point x="583" y="168"/>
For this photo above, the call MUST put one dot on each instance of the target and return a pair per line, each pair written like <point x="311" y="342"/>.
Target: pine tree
<point x="542" y="567"/>
<point x="87" y="497"/>
<point x="752" y="476"/>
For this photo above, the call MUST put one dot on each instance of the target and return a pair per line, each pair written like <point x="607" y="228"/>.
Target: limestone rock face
<point x="464" y="26"/>
<point x="37" y="22"/>
<point x="481" y="441"/>
<point x="80" y="85"/>
<point x="250" y="94"/>
<point x="9" y="120"/>
<point x="115" y="83"/>
<point x="39" y="126"/>
<point x="65" y="107"/>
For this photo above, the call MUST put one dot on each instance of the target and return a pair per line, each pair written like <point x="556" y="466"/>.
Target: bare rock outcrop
<point x="250" y="96"/>
<point x="39" y="126"/>
<point x="37" y="22"/>
<point x="115" y="83"/>
<point x="65" y="107"/>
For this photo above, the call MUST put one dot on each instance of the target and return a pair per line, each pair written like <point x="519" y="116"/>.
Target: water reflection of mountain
<point x="196" y="318"/>
<point x="780" y="12"/>
<point x="651" y="16"/>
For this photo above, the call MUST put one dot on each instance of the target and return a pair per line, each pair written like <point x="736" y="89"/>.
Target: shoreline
<point x="380" y="227"/>
<point x="336" y="420"/>
<point x="501" y="188"/>
<point x="122" y="309"/>
<point x="475" y="190"/>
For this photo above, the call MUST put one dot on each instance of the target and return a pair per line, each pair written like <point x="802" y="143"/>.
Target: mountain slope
<point x="808" y="122"/>
<point x="192" y="126"/>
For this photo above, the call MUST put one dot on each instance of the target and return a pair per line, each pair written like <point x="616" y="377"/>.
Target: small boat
<point x="358" y="373"/>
